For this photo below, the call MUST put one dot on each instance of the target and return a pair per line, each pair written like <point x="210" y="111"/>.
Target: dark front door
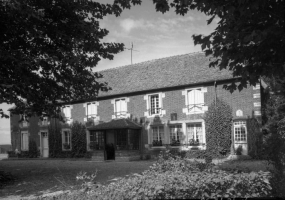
<point x="110" y="145"/>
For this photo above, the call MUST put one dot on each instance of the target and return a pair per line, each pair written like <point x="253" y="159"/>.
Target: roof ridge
<point x="124" y="66"/>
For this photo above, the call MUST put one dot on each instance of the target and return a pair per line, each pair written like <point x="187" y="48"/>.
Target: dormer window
<point x="66" y="110"/>
<point x="194" y="101"/>
<point x="120" y="108"/>
<point x="91" y="111"/>
<point x="154" y="105"/>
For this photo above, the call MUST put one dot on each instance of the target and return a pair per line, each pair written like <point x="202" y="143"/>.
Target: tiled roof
<point x="116" y="124"/>
<point x="161" y="73"/>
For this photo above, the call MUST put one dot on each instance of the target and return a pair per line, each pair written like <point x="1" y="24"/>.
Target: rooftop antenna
<point x="132" y="49"/>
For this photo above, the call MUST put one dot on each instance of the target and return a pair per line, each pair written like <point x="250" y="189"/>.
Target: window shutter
<point x="67" y="112"/>
<point x="93" y="109"/>
<point x="118" y="106"/>
<point x="123" y="105"/>
<point x="89" y="109"/>
<point x="191" y="96"/>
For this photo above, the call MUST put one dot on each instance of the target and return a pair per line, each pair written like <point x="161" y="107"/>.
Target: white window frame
<point x="178" y="135"/>
<point x="25" y="147"/>
<point x="161" y="134"/>
<point x="161" y="112"/>
<point x="121" y="115"/>
<point x="187" y="101"/>
<point x="93" y="115"/>
<point x="202" y="144"/>
<point x="63" y="131"/>
<point x="239" y="124"/>
<point x="68" y="119"/>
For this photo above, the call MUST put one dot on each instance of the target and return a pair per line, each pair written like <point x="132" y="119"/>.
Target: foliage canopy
<point x="249" y="38"/>
<point x="48" y="49"/>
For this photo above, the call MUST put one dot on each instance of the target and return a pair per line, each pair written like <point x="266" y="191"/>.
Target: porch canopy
<point x="116" y="124"/>
<point x="123" y="133"/>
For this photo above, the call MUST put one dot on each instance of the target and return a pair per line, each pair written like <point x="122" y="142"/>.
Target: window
<point x="195" y="134"/>
<point x="66" y="140"/>
<point x="154" y="104"/>
<point x="195" y="101"/>
<point x="157" y="135"/>
<point x="240" y="131"/>
<point x="96" y="140"/>
<point x="122" y="139"/>
<point x="67" y="112"/>
<point x="25" y="141"/>
<point x="91" y="110"/>
<point x="120" y="108"/>
<point x="175" y="134"/>
<point x="134" y="139"/>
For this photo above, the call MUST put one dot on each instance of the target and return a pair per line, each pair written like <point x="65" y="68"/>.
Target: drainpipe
<point x="215" y="85"/>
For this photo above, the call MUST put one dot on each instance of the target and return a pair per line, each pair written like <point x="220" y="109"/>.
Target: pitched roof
<point x="166" y="72"/>
<point x="117" y="124"/>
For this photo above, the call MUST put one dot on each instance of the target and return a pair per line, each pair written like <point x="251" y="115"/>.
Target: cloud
<point x="129" y="24"/>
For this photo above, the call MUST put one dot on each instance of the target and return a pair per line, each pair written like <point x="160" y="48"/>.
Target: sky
<point x="154" y="35"/>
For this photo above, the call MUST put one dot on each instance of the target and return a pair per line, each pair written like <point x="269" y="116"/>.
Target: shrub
<point x="5" y="178"/>
<point x="162" y="183"/>
<point x="173" y="177"/>
<point x="218" y="121"/>
<point x="33" y="149"/>
<point x="78" y="140"/>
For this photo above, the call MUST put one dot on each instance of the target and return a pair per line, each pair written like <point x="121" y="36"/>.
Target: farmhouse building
<point x="153" y="105"/>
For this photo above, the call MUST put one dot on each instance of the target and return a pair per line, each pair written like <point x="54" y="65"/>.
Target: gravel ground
<point x="38" y="177"/>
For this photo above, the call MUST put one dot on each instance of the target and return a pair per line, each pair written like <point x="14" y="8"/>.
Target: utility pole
<point x="131" y="49"/>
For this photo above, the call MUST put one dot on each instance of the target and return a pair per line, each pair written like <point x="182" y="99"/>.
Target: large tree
<point x="48" y="49"/>
<point x="249" y="38"/>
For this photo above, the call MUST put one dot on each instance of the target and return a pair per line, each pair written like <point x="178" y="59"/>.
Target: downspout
<point x="215" y="85"/>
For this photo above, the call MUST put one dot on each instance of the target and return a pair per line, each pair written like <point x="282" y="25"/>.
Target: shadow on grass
<point x="39" y="177"/>
<point x="245" y="165"/>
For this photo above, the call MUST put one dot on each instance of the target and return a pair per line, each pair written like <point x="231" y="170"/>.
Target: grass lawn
<point x="37" y="177"/>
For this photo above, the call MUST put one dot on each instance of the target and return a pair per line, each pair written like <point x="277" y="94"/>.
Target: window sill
<point x="192" y="113"/>
<point x="158" y="147"/>
<point x="194" y="147"/>
<point x="175" y="147"/>
<point x="240" y="142"/>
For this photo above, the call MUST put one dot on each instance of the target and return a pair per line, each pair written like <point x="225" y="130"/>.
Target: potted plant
<point x="157" y="143"/>
<point x="192" y="142"/>
<point x="175" y="142"/>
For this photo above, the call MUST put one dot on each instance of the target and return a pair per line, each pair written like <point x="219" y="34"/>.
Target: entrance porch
<point x="119" y="139"/>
